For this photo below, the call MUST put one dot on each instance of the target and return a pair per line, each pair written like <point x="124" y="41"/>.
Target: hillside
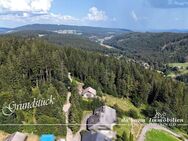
<point x="85" y="30"/>
<point x="155" y="48"/>
<point x="3" y="30"/>
<point x="64" y="40"/>
<point x="32" y="68"/>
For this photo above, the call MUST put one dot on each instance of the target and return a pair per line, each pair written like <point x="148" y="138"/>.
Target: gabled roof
<point x="94" y="136"/>
<point x="89" y="89"/>
<point x="104" y="116"/>
<point x="16" y="137"/>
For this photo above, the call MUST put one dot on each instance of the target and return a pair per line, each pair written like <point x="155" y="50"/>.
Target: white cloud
<point x="39" y="18"/>
<point x="31" y="11"/>
<point x="38" y="11"/>
<point x="134" y="16"/>
<point x="96" y="15"/>
<point x="25" y="5"/>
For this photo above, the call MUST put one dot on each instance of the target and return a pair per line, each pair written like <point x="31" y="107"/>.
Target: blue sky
<point x="141" y="15"/>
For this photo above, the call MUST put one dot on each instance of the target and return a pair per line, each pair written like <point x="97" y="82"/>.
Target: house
<point x="47" y="137"/>
<point x="103" y="118"/>
<point x="16" y="137"/>
<point x="94" y="136"/>
<point x="89" y="93"/>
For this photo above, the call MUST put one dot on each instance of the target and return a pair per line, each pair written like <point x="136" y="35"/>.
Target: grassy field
<point x="182" y="69"/>
<point x="158" y="135"/>
<point x="128" y="125"/>
<point x="125" y="124"/>
<point x="122" y="103"/>
<point x="178" y="64"/>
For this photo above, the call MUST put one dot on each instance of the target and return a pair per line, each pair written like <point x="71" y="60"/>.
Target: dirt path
<point x="66" y="108"/>
<point x="148" y="127"/>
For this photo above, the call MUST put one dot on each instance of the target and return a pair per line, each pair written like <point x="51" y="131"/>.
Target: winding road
<point x="149" y="127"/>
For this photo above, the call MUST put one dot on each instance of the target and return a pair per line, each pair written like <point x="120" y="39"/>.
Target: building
<point x="94" y="136"/>
<point x="16" y="137"/>
<point x="89" y="93"/>
<point x="103" y="118"/>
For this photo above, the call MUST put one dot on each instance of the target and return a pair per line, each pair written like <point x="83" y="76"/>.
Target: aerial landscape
<point x="93" y="70"/>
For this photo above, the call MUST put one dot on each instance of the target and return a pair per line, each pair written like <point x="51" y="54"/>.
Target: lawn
<point x="178" y="64"/>
<point x="158" y="135"/>
<point x="181" y="71"/>
<point x="125" y="123"/>
<point x="122" y="103"/>
<point x="123" y="126"/>
<point x="128" y="126"/>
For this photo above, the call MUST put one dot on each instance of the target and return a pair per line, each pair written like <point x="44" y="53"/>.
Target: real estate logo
<point x="164" y="119"/>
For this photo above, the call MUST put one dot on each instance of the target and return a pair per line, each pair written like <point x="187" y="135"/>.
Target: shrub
<point x="133" y="113"/>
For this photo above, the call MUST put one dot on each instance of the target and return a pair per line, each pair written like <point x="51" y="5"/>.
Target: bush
<point x="133" y="113"/>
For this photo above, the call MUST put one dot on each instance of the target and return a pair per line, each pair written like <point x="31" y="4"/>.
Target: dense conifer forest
<point x="156" y="49"/>
<point x="32" y="68"/>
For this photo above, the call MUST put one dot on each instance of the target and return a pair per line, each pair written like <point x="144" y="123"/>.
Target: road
<point x="70" y="136"/>
<point x="77" y="136"/>
<point x="66" y="108"/>
<point x="154" y="126"/>
<point x="104" y="45"/>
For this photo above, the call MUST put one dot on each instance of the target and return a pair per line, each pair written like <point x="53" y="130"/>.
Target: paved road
<point x="154" y="126"/>
<point x="104" y="45"/>
<point x="77" y="136"/>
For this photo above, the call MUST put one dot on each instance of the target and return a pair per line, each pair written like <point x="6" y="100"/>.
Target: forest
<point x="156" y="49"/>
<point x="31" y="67"/>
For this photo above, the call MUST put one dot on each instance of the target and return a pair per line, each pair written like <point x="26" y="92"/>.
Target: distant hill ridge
<point x="54" y="27"/>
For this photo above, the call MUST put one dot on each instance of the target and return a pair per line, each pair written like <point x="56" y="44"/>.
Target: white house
<point x="89" y="93"/>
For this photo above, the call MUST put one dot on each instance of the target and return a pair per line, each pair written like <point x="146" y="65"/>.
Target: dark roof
<point x="103" y="116"/>
<point x="94" y="136"/>
<point x="94" y="119"/>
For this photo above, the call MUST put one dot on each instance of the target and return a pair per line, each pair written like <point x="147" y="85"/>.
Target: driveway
<point x="148" y="127"/>
<point x="77" y="136"/>
<point x="66" y="108"/>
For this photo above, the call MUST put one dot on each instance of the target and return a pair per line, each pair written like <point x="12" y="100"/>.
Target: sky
<point x="138" y="15"/>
